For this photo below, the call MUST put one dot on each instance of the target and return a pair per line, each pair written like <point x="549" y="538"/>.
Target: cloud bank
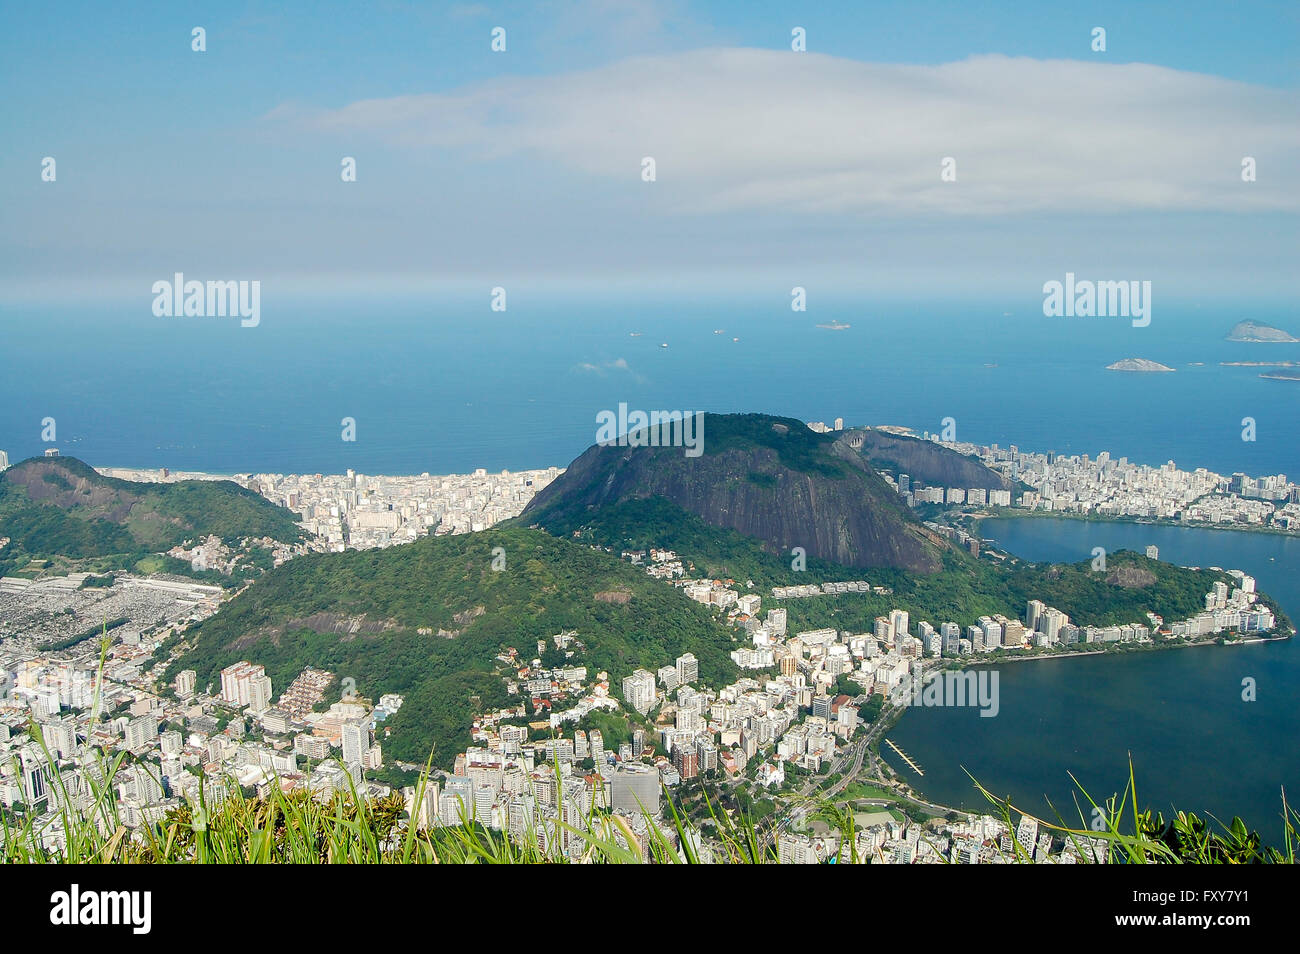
<point x="742" y="129"/>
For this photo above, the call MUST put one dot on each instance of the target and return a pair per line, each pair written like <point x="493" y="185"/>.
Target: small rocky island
<point x="1137" y="364"/>
<point x="1255" y="332"/>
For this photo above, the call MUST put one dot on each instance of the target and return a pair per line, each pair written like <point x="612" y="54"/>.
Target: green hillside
<point x="58" y="508"/>
<point x="358" y="614"/>
<point x="965" y="589"/>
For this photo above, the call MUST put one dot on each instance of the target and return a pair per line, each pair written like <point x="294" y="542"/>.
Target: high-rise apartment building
<point x="688" y="669"/>
<point x="356" y="742"/>
<point x="639" y="690"/>
<point x="245" y="683"/>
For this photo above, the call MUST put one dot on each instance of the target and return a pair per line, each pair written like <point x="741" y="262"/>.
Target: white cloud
<point x="734" y="129"/>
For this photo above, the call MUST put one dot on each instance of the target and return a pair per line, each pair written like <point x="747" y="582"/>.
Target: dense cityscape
<point x="408" y="454"/>
<point x="357" y="511"/>
<point x="809" y="709"/>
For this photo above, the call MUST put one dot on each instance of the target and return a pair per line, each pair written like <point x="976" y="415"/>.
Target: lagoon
<point x="1195" y="743"/>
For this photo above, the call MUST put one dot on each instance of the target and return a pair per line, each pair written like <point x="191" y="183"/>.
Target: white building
<point x="639" y="690"/>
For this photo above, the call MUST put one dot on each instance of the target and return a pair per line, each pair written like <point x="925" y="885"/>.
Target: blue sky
<point x="524" y="165"/>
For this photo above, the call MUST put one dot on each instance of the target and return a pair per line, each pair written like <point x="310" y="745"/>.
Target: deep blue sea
<point x="443" y="384"/>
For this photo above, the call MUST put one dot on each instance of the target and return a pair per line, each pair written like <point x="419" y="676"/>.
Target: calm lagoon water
<point x="1179" y="714"/>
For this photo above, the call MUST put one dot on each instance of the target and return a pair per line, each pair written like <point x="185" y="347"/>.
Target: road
<point x="770" y="828"/>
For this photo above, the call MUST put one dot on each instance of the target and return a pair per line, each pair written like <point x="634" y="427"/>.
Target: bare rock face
<point x="765" y="477"/>
<point x="924" y="461"/>
<point x="1131" y="577"/>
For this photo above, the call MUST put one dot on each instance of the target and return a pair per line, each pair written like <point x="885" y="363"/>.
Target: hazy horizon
<point x="501" y="168"/>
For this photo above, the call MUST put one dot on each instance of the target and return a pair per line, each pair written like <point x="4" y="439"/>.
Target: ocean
<point x="445" y="385"/>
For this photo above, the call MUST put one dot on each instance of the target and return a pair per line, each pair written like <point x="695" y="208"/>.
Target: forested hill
<point x="60" y="507"/>
<point x="427" y="619"/>
<point x="964" y="590"/>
